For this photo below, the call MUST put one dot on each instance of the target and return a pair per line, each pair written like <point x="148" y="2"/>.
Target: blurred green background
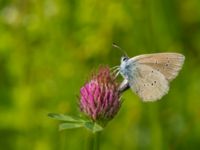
<point x="48" y="48"/>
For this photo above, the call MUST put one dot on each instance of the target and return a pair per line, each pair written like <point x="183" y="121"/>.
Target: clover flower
<point x="100" y="101"/>
<point x="100" y="97"/>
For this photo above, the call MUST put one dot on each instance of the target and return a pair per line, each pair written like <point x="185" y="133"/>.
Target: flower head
<point x="100" y="97"/>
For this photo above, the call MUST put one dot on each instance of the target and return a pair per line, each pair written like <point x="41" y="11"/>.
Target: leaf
<point x="72" y="122"/>
<point x="89" y="125"/>
<point x="97" y="128"/>
<point x="64" y="126"/>
<point x="94" y="127"/>
<point x="62" y="117"/>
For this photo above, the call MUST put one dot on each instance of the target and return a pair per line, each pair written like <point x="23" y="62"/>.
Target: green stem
<point x="97" y="137"/>
<point x="94" y="141"/>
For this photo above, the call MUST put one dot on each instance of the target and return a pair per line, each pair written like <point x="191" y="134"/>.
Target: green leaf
<point x="73" y="122"/>
<point x="94" y="127"/>
<point x="89" y="125"/>
<point x="97" y="128"/>
<point x="62" y="117"/>
<point x="64" y="126"/>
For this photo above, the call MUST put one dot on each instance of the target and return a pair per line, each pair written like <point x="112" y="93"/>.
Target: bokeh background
<point x="48" y="48"/>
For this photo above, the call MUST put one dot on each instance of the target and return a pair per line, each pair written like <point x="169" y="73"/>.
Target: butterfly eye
<point x="124" y="58"/>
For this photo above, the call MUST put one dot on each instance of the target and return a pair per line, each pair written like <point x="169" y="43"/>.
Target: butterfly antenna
<point x="119" y="48"/>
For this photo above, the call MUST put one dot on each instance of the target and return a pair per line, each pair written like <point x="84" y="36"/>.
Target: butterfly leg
<point x="115" y="72"/>
<point x="124" y="86"/>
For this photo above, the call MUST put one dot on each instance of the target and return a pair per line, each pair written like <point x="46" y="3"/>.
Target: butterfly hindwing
<point x="148" y="83"/>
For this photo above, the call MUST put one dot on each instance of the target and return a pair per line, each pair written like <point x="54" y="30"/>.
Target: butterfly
<point x="149" y="75"/>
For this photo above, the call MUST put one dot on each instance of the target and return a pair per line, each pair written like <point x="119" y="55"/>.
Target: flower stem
<point x="94" y="141"/>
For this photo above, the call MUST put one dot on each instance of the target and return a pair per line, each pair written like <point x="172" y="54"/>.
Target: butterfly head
<point x="124" y="66"/>
<point x="124" y="59"/>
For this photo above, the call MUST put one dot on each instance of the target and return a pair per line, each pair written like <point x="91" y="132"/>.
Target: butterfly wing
<point x="169" y="64"/>
<point x="150" y="75"/>
<point x="148" y="83"/>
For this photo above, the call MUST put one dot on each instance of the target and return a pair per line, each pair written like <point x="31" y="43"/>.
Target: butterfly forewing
<point x="169" y="64"/>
